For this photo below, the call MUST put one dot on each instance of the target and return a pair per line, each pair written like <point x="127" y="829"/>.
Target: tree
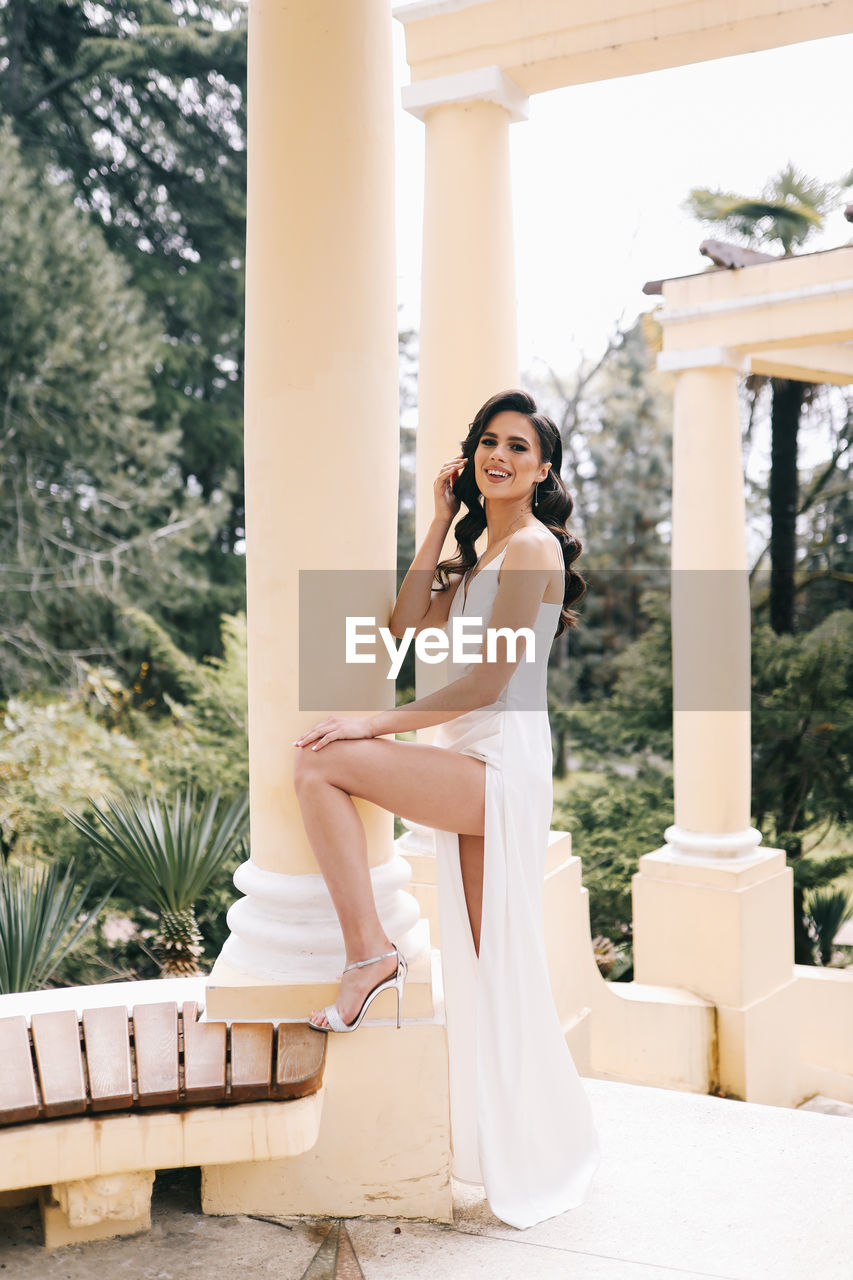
<point x="790" y="209"/>
<point x="825" y="567"/>
<point x="207" y="701"/>
<point x="802" y="774"/>
<point x="802" y="740"/>
<point x="616" y="427"/>
<point x="140" y="106"/>
<point x="94" y="510"/>
<point x="614" y="819"/>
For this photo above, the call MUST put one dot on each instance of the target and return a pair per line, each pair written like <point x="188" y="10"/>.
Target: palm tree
<point x="170" y="855"/>
<point x="827" y="910"/>
<point x="41" y="918"/>
<point x="790" y="209"/>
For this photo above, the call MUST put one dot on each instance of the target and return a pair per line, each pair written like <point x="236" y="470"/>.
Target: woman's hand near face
<point x="334" y="728"/>
<point x="446" y="502"/>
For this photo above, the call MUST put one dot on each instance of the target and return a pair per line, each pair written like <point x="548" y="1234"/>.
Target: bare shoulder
<point x="533" y="548"/>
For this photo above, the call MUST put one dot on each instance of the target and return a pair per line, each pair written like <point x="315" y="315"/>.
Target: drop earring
<point x="536" y="494"/>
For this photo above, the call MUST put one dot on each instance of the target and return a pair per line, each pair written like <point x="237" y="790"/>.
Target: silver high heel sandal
<point x="397" y="980"/>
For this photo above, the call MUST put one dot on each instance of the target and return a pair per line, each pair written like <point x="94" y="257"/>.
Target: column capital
<point x="417" y="10"/>
<point x="702" y="358"/>
<point x="485" y="84"/>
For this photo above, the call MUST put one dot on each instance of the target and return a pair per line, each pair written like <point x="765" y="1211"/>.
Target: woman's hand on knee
<point x="336" y="728"/>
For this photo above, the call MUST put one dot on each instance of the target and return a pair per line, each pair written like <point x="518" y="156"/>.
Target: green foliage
<point x="624" y="420"/>
<point x="169" y="855"/>
<point x="42" y="916"/>
<point x="140" y="107"/>
<point x="802" y="770"/>
<point x="94" y="510"/>
<point x="637" y="716"/>
<point x="802" y="728"/>
<point x="614" y="819"/>
<point x="207" y="702"/>
<point x="104" y="738"/>
<point x="826" y="911"/>
<point x="825" y="517"/>
<point x="52" y="754"/>
<point x="790" y="208"/>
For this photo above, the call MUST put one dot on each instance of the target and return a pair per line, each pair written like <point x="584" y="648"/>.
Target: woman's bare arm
<point x="523" y="580"/>
<point x="415" y="605"/>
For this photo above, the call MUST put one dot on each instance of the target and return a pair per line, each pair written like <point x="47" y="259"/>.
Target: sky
<point x="600" y="172"/>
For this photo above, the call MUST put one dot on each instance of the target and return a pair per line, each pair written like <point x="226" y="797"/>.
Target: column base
<point x="383" y="1149"/>
<point x="722" y="928"/>
<point x="97" y="1208"/>
<point x="417" y="846"/>
<point x="286" y="930"/>
<point x="758" y="1056"/>
<point x="231" y="995"/>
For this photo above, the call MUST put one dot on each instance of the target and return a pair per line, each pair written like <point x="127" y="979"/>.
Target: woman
<point x="520" y="1120"/>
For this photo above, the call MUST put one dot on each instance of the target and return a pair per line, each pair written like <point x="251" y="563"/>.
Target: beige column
<point x="321" y="457"/>
<point x="713" y="910"/>
<point x="321" y="494"/>
<point x="710" y="617"/>
<point x="468" y="336"/>
<point x="468" y="343"/>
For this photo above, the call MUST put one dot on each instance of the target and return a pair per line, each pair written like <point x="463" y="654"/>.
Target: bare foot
<point x="355" y="986"/>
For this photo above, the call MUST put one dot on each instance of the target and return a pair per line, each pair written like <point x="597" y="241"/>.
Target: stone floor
<point x="689" y="1187"/>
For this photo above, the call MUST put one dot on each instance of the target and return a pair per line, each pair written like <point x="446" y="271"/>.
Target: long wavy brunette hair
<point x="554" y="503"/>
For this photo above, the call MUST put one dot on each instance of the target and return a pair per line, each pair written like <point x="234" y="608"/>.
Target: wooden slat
<point x="204" y="1058"/>
<point x="285" y="1064"/>
<point x="300" y="1060"/>
<point x="19" y="1099"/>
<point x="56" y="1037"/>
<point x="106" y="1038"/>
<point x="155" y="1040"/>
<point x="251" y="1060"/>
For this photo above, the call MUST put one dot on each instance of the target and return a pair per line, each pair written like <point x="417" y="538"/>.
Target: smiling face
<point x="507" y="461"/>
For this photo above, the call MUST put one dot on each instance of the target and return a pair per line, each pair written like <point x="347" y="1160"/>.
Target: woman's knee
<point x="314" y="766"/>
<point x="306" y="766"/>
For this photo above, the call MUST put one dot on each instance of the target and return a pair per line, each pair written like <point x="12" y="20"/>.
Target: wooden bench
<point x="91" y="1107"/>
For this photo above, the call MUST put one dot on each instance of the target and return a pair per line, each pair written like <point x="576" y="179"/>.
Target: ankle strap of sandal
<point x="359" y="964"/>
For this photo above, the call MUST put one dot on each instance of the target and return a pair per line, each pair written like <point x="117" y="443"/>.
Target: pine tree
<point x="140" y="105"/>
<point x="618" y="468"/>
<point x="94" y="511"/>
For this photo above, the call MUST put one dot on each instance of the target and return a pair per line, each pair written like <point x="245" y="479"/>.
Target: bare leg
<point x="471" y="864"/>
<point x="425" y="784"/>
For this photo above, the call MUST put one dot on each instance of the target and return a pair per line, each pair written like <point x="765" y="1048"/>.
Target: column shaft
<point x="710" y="607"/>
<point x="321" y="451"/>
<point x="468" y="343"/>
<point x="321" y="400"/>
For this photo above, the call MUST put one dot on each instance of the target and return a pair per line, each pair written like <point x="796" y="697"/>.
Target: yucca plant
<point x="826" y="911"/>
<point x="170" y="854"/>
<point x="41" y="918"/>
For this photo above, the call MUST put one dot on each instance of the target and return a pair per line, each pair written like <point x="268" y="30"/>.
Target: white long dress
<point x="521" y="1122"/>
